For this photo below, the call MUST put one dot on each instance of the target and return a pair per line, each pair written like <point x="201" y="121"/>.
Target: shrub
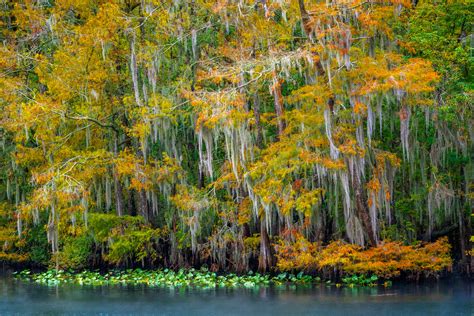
<point x="387" y="260"/>
<point x="125" y="239"/>
<point x="76" y="252"/>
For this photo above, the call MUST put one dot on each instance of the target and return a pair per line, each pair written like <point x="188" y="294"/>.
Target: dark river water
<point x="447" y="297"/>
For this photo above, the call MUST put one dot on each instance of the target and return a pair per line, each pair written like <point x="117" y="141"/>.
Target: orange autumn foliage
<point x="387" y="260"/>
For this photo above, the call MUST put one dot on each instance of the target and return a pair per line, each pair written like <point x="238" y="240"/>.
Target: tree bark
<point x="305" y="23"/>
<point x="278" y="100"/>
<point x="144" y="210"/>
<point x="265" y="257"/>
<point x="258" y="125"/>
<point x="117" y="185"/>
<point x="118" y="193"/>
<point x="304" y="18"/>
<point x="363" y="212"/>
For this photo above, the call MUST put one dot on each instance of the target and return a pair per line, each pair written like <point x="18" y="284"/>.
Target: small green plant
<point x="360" y="280"/>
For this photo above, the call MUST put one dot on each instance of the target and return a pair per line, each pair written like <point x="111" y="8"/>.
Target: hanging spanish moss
<point x="196" y="133"/>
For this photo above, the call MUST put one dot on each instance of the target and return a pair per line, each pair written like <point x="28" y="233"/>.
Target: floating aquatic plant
<point x="182" y="278"/>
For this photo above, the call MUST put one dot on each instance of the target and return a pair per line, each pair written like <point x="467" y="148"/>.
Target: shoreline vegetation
<point x="330" y="137"/>
<point x="201" y="278"/>
<point x="336" y="264"/>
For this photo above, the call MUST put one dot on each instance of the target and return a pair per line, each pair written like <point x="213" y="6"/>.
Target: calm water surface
<point x="448" y="297"/>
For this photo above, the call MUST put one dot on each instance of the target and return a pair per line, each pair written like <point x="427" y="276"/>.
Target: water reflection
<point x="449" y="297"/>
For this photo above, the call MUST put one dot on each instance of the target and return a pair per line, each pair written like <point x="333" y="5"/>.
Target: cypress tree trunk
<point x="363" y="212"/>
<point x="265" y="260"/>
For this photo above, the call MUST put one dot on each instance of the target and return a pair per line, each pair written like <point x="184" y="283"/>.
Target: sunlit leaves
<point x="387" y="260"/>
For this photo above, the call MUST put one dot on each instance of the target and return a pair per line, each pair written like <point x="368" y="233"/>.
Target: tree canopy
<point x="180" y="133"/>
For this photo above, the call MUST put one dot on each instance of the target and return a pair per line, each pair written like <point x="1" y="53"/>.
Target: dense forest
<point x="237" y="135"/>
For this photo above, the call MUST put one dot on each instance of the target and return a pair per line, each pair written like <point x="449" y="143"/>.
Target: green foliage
<point x="361" y="280"/>
<point x="439" y="31"/>
<point x="37" y="245"/>
<point x="127" y="238"/>
<point x="135" y="246"/>
<point x="182" y="278"/>
<point x="76" y="252"/>
<point x="103" y="226"/>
